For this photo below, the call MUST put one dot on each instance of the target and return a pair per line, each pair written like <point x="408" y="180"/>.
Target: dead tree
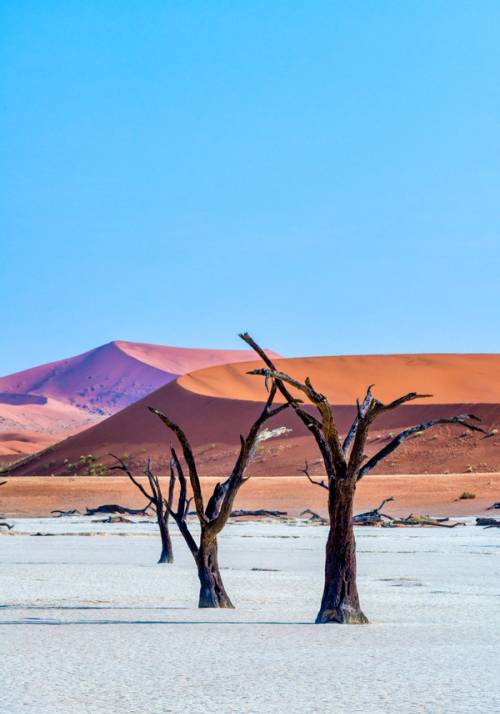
<point x="4" y="524"/>
<point x="212" y="517"/>
<point x="162" y="506"/>
<point x="345" y="464"/>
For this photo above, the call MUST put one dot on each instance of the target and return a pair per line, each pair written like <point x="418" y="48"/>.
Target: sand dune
<point x="85" y="389"/>
<point x="25" y="428"/>
<point x="450" y="378"/>
<point x="214" y="422"/>
<point x="114" y="375"/>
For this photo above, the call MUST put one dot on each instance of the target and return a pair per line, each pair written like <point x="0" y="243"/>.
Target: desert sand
<point x="93" y="624"/>
<point x="435" y="494"/>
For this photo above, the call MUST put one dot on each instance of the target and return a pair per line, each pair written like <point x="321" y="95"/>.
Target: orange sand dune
<point x="214" y="424"/>
<point x="450" y="378"/>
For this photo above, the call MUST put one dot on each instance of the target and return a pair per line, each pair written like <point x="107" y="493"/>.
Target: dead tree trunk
<point x="212" y="591"/>
<point x="214" y="516"/>
<point x="155" y="499"/>
<point x="167" y="551"/>
<point x="340" y="601"/>
<point x="345" y="464"/>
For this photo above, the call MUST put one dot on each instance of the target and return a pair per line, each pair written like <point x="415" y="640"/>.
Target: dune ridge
<point x="450" y="378"/>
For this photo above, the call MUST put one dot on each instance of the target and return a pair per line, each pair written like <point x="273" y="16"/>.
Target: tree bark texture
<point x="340" y="602"/>
<point x="167" y="551"/>
<point x="212" y="591"/>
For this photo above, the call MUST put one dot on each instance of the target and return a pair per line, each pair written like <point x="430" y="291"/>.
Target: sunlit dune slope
<point x="450" y="378"/>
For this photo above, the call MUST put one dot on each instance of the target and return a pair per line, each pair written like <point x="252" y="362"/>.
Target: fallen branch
<point x="374" y="517"/>
<point x="114" y="519"/>
<point x="415" y="519"/>
<point x="259" y="512"/>
<point x="314" y="517"/>
<point x="115" y="508"/>
<point x="488" y="522"/>
<point x="4" y="524"/>
<point x="71" y="512"/>
<point x="493" y="506"/>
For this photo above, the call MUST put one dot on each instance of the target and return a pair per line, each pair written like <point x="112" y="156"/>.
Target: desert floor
<point x="435" y="494"/>
<point x="91" y="625"/>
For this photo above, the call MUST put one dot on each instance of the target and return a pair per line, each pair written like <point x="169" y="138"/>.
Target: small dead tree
<point x="212" y="517"/>
<point x="345" y="464"/>
<point x="162" y="506"/>
<point x="4" y="524"/>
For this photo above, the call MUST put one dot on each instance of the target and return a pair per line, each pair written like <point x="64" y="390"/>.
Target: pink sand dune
<point x="91" y="386"/>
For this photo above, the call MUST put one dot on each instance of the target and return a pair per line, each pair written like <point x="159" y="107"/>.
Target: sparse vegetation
<point x="87" y="465"/>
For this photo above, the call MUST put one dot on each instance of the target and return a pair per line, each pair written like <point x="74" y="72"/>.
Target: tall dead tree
<point x="212" y="517"/>
<point x="155" y="498"/>
<point x="345" y="464"/>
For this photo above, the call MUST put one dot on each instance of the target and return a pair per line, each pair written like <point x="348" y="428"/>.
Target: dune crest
<point x="450" y="378"/>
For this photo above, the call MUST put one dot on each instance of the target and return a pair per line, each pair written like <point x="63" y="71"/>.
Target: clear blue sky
<point x="325" y="175"/>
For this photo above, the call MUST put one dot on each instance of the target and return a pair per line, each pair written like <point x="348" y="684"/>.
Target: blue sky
<point x="322" y="174"/>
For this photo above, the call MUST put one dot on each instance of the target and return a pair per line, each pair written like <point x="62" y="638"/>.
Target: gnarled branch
<point x="406" y="433"/>
<point x="305" y="471"/>
<point x="188" y="457"/>
<point x="360" y="413"/>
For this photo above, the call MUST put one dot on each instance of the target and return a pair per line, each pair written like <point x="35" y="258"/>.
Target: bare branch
<point x="410" y="397"/>
<point x="305" y="471"/>
<point x="361" y="411"/>
<point x="153" y="482"/>
<point x="171" y="488"/>
<point x="183" y="504"/>
<point x="122" y="466"/>
<point x="386" y="500"/>
<point x="229" y="489"/>
<point x="175" y="464"/>
<point x="304" y="416"/>
<point x="331" y="450"/>
<point x="406" y="433"/>
<point x="189" y="458"/>
<point x="186" y="507"/>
